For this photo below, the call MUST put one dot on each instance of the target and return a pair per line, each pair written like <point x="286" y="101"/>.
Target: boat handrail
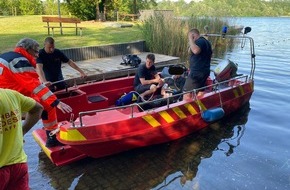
<point x="214" y="86"/>
<point x="109" y="109"/>
<point x="252" y="48"/>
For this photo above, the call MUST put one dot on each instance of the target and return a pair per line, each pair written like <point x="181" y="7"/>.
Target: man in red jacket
<point x="17" y="72"/>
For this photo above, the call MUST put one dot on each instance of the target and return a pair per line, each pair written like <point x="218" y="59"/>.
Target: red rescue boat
<point x="98" y="127"/>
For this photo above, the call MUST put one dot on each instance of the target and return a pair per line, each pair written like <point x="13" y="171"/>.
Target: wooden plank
<point x="63" y="27"/>
<point x="60" y="19"/>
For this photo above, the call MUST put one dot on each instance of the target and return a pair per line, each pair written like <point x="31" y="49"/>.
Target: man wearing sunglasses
<point x="17" y="72"/>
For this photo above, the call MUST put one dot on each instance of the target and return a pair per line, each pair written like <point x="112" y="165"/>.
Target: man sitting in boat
<point x="147" y="81"/>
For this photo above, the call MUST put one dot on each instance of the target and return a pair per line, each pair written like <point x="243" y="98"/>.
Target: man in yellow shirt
<point x="13" y="160"/>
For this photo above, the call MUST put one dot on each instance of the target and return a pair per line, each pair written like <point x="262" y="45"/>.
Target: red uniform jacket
<point x="17" y="72"/>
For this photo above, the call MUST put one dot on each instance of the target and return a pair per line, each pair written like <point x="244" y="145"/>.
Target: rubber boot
<point x="51" y="141"/>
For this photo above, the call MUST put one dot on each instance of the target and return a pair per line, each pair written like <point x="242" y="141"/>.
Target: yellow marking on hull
<point x="190" y="108"/>
<point x="165" y="115"/>
<point x="236" y="93"/>
<point x="179" y="112"/>
<point x="242" y="90"/>
<point x="201" y="105"/>
<point x="46" y="151"/>
<point x="72" y="135"/>
<point x="44" y="148"/>
<point x="151" y="120"/>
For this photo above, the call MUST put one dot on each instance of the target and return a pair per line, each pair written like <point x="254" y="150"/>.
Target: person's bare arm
<point x="156" y="79"/>
<point x="74" y="66"/>
<point x="39" y="70"/>
<point x="32" y="117"/>
<point x="193" y="47"/>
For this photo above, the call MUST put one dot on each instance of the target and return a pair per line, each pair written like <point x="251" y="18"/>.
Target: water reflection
<point x="170" y="165"/>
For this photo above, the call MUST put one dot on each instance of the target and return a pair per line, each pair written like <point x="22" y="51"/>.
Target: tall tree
<point x="83" y="9"/>
<point x="9" y="7"/>
<point x="50" y="7"/>
<point x="106" y="9"/>
<point x="30" y="7"/>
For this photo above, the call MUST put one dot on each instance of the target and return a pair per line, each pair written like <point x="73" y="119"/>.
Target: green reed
<point x="168" y="35"/>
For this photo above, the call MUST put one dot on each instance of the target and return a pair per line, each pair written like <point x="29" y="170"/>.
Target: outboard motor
<point x="225" y="70"/>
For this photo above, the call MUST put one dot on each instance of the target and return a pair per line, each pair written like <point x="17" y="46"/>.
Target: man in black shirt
<point x="147" y="80"/>
<point x="200" y="56"/>
<point x="49" y="63"/>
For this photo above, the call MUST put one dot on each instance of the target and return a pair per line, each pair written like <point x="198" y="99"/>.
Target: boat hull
<point x="59" y="155"/>
<point x="119" y="132"/>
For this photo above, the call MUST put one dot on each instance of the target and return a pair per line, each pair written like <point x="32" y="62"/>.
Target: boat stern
<point x="59" y="155"/>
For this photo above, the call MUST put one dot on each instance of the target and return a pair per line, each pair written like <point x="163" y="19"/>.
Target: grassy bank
<point x="163" y="35"/>
<point x="96" y="33"/>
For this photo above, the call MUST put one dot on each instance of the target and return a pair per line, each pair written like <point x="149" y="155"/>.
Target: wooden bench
<point x="124" y="16"/>
<point x="61" y="20"/>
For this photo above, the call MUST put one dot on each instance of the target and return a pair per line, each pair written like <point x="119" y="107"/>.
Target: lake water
<point x="248" y="150"/>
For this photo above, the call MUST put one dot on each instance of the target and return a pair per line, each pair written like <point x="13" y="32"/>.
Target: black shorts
<point x="198" y="81"/>
<point x="142" y="88"/>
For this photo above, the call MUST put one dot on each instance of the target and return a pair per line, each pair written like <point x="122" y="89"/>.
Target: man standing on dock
<point x="49" y="63"/>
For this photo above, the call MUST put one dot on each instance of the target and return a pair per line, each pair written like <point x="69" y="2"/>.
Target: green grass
<point x="162" y="35"/>
<point x="96" y="33"/>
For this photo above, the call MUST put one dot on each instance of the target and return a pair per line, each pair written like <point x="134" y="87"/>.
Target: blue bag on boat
<point x="127" y="99"/>
<point x="213" y="114"/>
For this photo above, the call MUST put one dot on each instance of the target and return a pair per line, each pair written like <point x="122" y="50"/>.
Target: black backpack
<point x="131" y="60"/>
